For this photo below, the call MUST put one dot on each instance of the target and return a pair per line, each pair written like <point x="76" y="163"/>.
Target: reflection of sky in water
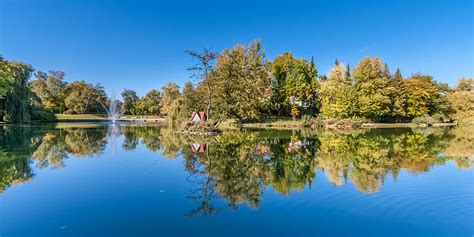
<point x="373" y="183"/>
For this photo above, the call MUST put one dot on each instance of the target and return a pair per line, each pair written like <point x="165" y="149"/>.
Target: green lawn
<point x="65" y="117"/>
<point x="274" y="122"/>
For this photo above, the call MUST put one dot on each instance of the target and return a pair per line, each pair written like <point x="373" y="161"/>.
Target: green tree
<point x="461" y="97"/>
<point x="15" y="95"/>
<point x="336" y="94"/>
<point x="425" y="96"/>
<point x="130" y="98"/>
<point x="372" y="88"/>
<point x="82" y="97"/>
<point x="294" y="83"/>
<point x="170" y="94"/>
<point x="51" y="89"/>
<point x="201" y="71"/>
<point x="242" y="82"/>
<point x="280" y="68"/>
<point x="4" y="78"/>
<point x="151" y="103"/>
<point x="190" y="101"/>
<point x="398" y="96"/>
<point x="301" y="85"/>
<point x="348" y="76"/>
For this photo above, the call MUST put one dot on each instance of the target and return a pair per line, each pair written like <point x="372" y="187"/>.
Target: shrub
<point x="320" y="122"/>
<point x="306" y="120"/>
<point x="198" y="128"/>
<point x="425" y="119"/>
<point x="312" y="122"/>
<point x="358" y="121"/>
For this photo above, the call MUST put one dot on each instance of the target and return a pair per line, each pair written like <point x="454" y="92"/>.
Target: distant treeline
<point x="241" y="84"/>
<point x="23" y="100"/>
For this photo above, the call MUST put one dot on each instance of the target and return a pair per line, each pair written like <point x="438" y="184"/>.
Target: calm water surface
<point x="133" y="180"/>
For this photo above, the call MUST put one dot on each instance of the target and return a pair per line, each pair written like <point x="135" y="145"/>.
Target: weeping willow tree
<point x="15" y="94"/>
<point x="17" y="103"/>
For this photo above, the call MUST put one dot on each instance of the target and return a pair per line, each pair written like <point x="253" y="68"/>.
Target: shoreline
<point x="277" y="123"/>
<point x="292" y="125"/>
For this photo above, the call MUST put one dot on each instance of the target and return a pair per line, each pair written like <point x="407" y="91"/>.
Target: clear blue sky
<point x="139" y="44"/>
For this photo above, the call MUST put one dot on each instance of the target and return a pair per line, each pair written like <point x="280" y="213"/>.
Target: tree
<point x="280" y="68"/>
<point x="82" y="97"/>
<point x="129" y="99"/>
<point x="242" y="82"/>
<point x="398" y="96"/>
<point x="336" y="94"/>
<point x="461" y="97"/>
<point x="294" y="81"/>
<point x="152" y="103"/>
<point x="372" y="88"/>
<point x="420" y="91"/>
<point x="15" y="95"/>
<point x="4" y="78"/>
<point x="201" y="71"/>
<point x="190" y="102"/>
<point x="170" y="94"/>
<point x="51" y="89"/>
<point x="385" y="71"/>
<point x="348" y="76"/>
<point x="301" y="84"/>
<point x="465" y="84"/>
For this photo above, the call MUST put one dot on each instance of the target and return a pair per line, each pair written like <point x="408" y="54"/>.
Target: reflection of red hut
<point x="199" y="116"/>
<point x="198" y="148"/>
<point x="295" y="144"/>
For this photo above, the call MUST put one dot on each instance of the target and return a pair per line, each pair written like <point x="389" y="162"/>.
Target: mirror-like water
<point x="131" y="180"/>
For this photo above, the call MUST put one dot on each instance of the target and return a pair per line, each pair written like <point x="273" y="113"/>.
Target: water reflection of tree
<point x="238" y="166"/>
<point x="460" y="149"/>
<point x="246" y="163"/>
<point x="17" y="143"/>
<point x="47" y="146"/>
<point x="13" y="172"/>
<point x="58" y="144"/>
<point x="203" y="183"/>
<point x="368" y="157"/>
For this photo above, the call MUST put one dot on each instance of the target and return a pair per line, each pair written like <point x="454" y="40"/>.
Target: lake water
<point x="133" y="180"/>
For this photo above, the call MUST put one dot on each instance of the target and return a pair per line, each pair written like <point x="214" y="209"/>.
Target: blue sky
<point x="140" y="44"/>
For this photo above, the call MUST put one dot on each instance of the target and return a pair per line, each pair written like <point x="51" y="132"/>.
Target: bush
<point x="354" y="122"/>
<point x="358" y="121"/>
<point x="306" y="120"/>
<point x="425" y="119"/>
<point x="198" y="128"/>
<point x="320" y="122"/>
<point x="312" y="122"/>
<point x="41" y="115"/>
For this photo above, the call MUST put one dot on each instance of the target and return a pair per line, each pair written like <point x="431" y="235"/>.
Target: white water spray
<point x="113" y="112"/>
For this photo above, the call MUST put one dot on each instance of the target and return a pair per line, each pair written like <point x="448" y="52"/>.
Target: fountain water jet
<point x="113" y="112"/>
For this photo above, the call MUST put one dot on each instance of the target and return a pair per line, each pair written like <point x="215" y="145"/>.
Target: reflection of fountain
<point x="113" y="131"/>
<point x="113" y="112"/>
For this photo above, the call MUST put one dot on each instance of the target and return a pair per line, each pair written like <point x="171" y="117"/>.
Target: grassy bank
<point x="273" y="122"/>
<point x="270" y="123"/>
<point x="288" y="123"/>
<point x="95" y="117"/>
<point x="79" y="117"/>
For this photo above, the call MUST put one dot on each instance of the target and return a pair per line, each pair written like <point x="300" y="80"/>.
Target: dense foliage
<point x="241" y="84"/>
<point x="18" y="104"/>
